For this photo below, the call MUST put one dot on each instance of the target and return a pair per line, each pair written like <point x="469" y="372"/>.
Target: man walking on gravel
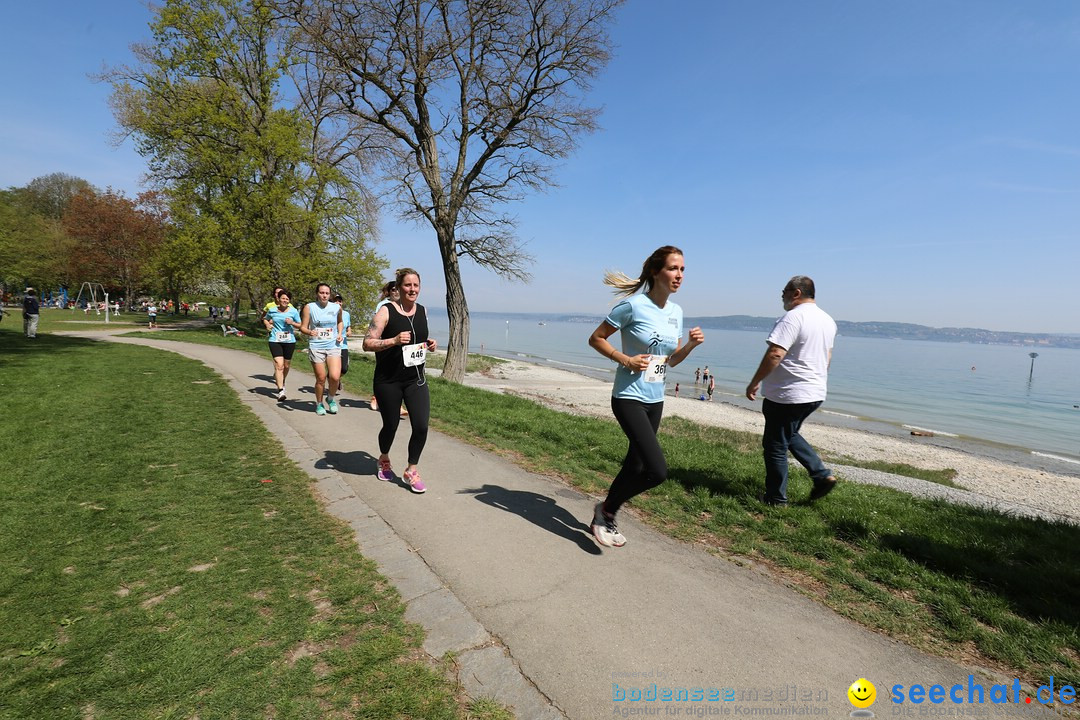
<point x="792" y="378"/>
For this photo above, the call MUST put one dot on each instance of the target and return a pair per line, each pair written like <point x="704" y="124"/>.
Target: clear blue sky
<point x="919" y="159"/>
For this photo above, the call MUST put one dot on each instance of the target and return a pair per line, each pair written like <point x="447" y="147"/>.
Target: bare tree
<point x="463" y="105"/>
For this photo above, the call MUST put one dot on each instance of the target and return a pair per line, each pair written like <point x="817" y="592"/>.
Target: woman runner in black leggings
<point x="650" y="326"/>
<point x="398" y="336"/>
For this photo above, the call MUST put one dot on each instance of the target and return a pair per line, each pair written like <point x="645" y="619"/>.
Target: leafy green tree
<point x="250" y="195"/>
<point x="49" y="195"/>
<point x="33" y="246"/>
<point x="464" y="105"/>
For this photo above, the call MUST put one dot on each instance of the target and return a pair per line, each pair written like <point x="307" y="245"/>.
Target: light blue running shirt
<point x="346" y="323"/>
<point x="323" y="318"/>
<point x="281" y="332"/>
<point x="644" y="329"/>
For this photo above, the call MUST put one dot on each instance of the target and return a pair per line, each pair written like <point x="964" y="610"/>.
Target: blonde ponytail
<point x="626" y="286"/>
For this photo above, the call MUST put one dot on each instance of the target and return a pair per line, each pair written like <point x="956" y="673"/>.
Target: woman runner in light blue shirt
<point x="346" y="324"/>
<point x="280" y="322"/>
<point x="650" y="327"/>
<point x="321" y="321"/>
<point x="389" y="293"/>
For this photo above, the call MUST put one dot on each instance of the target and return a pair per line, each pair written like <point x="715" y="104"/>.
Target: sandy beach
<point x="1042" y="491"/>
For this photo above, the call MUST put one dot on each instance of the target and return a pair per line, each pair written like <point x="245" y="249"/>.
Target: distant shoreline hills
<point x="885" y="330"/>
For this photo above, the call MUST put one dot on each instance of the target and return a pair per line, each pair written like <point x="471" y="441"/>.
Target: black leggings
<point x="644" y="466"/>
<point x="389" y="395"/>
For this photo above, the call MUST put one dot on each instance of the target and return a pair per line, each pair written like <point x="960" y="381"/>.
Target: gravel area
<point x="986" y="482"/>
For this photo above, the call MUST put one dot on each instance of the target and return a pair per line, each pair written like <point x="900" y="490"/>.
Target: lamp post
<point x="1032" y="371"/>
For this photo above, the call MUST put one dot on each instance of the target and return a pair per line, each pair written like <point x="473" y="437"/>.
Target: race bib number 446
<point x="414" y="355"/>
<point x="657" y="370"/>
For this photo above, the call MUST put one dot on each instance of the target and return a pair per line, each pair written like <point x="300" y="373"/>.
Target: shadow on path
<point x="356" y="462"/>
<point x="540" y="510"/>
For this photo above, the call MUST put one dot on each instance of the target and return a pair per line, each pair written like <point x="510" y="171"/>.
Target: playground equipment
<point x="89" y="288"/>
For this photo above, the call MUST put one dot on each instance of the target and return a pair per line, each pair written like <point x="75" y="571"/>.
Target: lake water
<point x="962" y="392"/>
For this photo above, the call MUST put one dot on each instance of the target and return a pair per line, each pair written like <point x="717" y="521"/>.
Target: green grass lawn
<point x="969" y="584"/>
<point x="162" y="558"/>
<point x="52" y="320"/>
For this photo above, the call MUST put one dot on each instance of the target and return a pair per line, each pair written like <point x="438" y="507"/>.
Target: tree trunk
<point x="255" y="303"/>
<point x="234" y="313"/>
<point x="457" y="349"/>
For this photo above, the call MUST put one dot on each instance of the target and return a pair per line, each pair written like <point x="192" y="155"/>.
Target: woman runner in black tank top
<point x="390" y="366"/>
<point x="398" y="335"/>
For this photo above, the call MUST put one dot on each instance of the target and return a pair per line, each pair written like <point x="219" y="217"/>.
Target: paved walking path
<point x="498" y="565"/>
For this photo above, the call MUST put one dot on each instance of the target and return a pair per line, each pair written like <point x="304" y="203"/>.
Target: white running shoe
<point x="604" y="528"/>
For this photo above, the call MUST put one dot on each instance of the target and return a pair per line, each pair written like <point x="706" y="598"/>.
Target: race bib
<point x="657" y="370"/>
<point x="324" y="333"/>
<point x="414" y="355"/>
<point x="283" y="336"/>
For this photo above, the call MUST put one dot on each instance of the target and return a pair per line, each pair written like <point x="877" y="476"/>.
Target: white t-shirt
<point x="807" y="333"/>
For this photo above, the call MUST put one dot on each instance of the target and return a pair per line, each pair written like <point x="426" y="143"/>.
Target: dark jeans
<point x="417" y="401"/>
<point x="644" y="466"/>
<point x="782" y="423"/>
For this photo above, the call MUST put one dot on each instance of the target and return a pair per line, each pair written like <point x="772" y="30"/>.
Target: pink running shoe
<point x="385" y="471"/>
<point x="415" y="483"/>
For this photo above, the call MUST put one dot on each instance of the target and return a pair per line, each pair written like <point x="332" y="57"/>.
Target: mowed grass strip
<point x="969" y="584"/>
<point x="161" y="557"/>
<point x="52" y="320"/>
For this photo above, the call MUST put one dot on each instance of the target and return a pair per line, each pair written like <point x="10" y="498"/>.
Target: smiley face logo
<point x="862" y="693"/>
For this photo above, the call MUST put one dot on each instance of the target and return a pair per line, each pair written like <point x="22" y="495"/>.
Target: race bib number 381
<point x="414" y="355"/>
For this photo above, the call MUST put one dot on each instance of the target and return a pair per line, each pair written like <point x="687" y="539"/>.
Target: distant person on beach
<point x="792" y="378"/>
<point x="676" y="389"/>
<point x="398" y="336"/>
<point x="711" y="387"/>
<point x="281" y="322"/>
<point x="650" y="328"/>
<point x="321" y="321"/>
<point x="705" y="375"/>
<point x="697" y="375"/>
<point x="31" y="310"/>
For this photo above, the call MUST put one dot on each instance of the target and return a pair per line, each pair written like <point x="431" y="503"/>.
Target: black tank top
<point x="389" y="363"/>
